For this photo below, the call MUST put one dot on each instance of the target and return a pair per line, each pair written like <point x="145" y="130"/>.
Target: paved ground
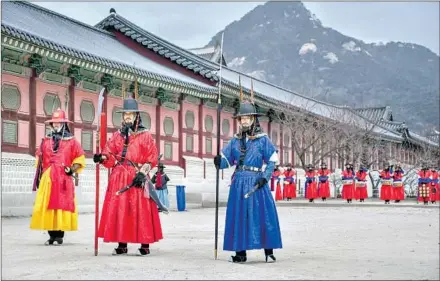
<point x="319" y="243"/>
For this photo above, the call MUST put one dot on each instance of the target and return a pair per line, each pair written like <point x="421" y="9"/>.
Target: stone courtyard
<point x="331" y="242"/>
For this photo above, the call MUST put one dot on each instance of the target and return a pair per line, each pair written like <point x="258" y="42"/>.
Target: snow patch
<point x="307" y="47"/>
<point x="351" y="46"/>
<point x="368" y="53"/>
<point x="262" y="61"/>
<point x="237" y="62"/>
<point x="332" y="57"/>
<point x="324" y="32"/>
<point x="268" y="22"/>
<point x="286" y="15"/>
<point x="400" y="45"/>
<point x="322" y="68"/>
<point x="258" y="74"/>
<point x="260" y="25"/>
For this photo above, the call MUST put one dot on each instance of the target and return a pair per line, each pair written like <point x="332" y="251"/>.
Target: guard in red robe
<point x="361" y="191"/>
<point x="59" y="157"/>
<point x="398" y="188"/>
<point x="277" y="181"/>
<point x="272" y="180"/>
<point x="311" y="191"/>
<point x="434" y="195"/>
<point x="348" y="185"/>
<point x="424" y="185"/>
<point x="386" y="189"/>
<point x="289" y="183"/>
<point x="132" y="216"/>
<point x="324" y="184"/>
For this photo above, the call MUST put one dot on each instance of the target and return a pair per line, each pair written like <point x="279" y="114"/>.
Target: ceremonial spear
<point x="217" y="180"/>
<point x="101" y="137"/>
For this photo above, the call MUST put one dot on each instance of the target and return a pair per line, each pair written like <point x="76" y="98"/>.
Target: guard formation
<point x="132" y="204"/>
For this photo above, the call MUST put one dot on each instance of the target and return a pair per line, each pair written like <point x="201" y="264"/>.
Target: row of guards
<point x="354" y="184"/>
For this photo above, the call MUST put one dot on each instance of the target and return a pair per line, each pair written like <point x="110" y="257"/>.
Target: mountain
<point x="283" y="43"/>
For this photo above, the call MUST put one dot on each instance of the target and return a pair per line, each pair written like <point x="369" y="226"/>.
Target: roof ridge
<point x="160" y="40"/>
<point x="371" y="107"/>
<point x="53" y="13"/>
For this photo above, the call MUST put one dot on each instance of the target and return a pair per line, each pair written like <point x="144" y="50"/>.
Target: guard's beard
<point x="58" y="129"/>
<point x="246" y="128"/>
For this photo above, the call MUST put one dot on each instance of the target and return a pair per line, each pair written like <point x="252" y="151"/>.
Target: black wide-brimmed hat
<point x="247" y="109"/>
<point x="130" y="105"/>
<point x="161" y="166"/>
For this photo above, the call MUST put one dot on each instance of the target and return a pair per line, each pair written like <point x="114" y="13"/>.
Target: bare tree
<point x="320" y="132"/>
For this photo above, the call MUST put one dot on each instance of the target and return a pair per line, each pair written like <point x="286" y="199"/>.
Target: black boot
<point x="120" y="250"/>
<point x="269" y="255"/>
<point x="144" y="250"/>
<point x="239" y="257"/>
<point x="55" y="238"/>
<point x="348" y="200"/>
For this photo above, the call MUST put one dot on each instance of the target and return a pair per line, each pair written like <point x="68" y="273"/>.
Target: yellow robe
<point x="44" y="219"/>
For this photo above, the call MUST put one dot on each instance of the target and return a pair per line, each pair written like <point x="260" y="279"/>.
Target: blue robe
<point x="251" y="223"/>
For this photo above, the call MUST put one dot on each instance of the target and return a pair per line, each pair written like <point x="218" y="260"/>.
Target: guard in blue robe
<point x="251" y="223"/>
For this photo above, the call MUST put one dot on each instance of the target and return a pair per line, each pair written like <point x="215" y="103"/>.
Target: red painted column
<point x="32" y="113"/>
<point x="200" y="130"/>
<point x="281" y="145"/>
<point x="180" y="127"/>
<point x="158" y="117"/>
<point x="71" y="113"/>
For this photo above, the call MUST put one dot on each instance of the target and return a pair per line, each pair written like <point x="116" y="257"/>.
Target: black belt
<point x="249" y="168"/>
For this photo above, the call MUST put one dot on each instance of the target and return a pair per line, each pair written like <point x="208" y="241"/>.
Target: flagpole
<point x="217" y="181"/>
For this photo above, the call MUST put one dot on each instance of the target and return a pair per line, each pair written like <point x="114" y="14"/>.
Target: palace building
<point x="51" y="61"/>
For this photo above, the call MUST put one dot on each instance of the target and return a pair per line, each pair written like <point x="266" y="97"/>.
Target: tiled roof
<point x="376" y="113"/>
<point x="48" y="29"/>
<point x="160" y="46"/>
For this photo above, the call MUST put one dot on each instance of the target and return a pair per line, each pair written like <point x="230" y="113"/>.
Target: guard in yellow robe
<point x="59" y="157"/>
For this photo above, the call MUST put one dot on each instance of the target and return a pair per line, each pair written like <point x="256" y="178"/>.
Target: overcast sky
<point x="192" y="24"/>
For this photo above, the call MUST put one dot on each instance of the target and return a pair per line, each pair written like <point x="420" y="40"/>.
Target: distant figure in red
<point x="272" y="180"/>
<point x="434" y="195"/>
<point x="424" y="185"/>
<point x="133" y="216"/>
<point x="361" y="191"/>
<point x="277" y="182"/>
<point x="289" y="190"/>
<point x="348" y="183"/>
<point x="398" y="188"/>
<point x="311" y="191"/>
<point x="323" y="184"/>
<point x="386" y="190"/>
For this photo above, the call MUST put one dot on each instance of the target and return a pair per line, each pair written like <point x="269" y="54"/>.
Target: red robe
<point x="398" y="188"/>
<point x="129" y="217"/>
<point x="386" y="190"/>
<point x="424" y="192"/>
<point x="348" y="187"/>
<point x="62" y="192"/>
<point x="434" y="195"/>
<point x="289" y="190"/>
<point x="311" y="192"/>
<point x="278" y="193"/>
<point x="323" y="184"/>
<point x="361" y="191"/>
